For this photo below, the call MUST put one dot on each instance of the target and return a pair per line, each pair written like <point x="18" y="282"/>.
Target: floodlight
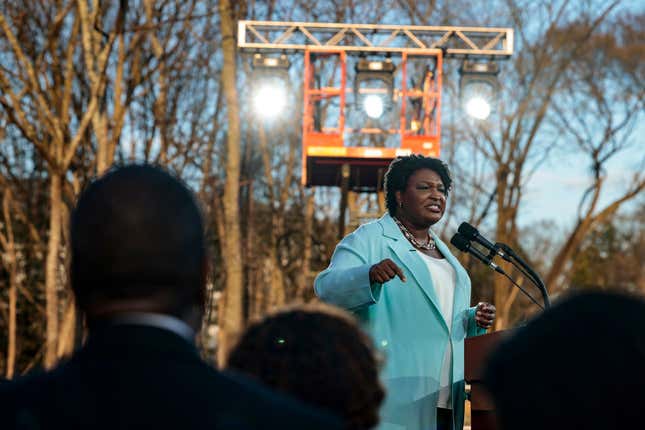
<point x="479" y="87"/>
<point x="478" y="107"/>
<point x="269" y="98"/>
<point x="374" y="86"/>
<point x="373" y="106"/>
<point x="270" y="85"/>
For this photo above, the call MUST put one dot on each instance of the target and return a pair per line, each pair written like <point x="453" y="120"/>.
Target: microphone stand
<point x="532" y="275"/>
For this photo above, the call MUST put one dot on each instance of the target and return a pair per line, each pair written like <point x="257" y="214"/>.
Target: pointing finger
<point x="397" y="270"/>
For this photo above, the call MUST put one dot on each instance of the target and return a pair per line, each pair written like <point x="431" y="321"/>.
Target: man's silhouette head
<point x="138" y="245"/>
<point x="580" y="364"/>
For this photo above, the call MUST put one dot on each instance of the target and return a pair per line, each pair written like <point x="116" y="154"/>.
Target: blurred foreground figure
<point x="318" y="354"/>
<point x="579" y="365"/>
<point x="138" y="273"/>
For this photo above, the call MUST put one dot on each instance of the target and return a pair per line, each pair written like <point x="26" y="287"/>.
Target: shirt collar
<point x="162" y="321"/>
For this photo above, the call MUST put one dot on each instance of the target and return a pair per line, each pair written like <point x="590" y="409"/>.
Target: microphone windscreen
<point x="467" y="230"/>
<point x="460" y="242"/>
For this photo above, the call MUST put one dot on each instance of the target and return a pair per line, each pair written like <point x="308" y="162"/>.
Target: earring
<point x="400" y="205"/>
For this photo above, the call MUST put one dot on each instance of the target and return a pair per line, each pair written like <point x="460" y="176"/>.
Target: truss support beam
<point x="364" y="38"/>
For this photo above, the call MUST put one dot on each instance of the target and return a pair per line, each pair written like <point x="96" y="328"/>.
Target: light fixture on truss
<point x="270" y="85"/>
<point x="374" y="86"/>
<point x="479" y="87"/>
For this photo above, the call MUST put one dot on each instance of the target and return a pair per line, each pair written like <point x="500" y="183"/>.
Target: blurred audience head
<point x="580" y="364"/>
<point x="318" y="354"/>
<point x="137" y="244"/>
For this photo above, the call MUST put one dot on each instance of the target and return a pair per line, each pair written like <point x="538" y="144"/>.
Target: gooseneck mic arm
<point x="505" y="251"/>
<point x="463" y="244"/>
<point x="532" y="273"/>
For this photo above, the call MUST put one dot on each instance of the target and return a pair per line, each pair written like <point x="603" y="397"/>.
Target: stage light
<point x="373" y="106"/>
<point x="374" y="86"/>
<point x="478" y="108"/>
<point x="269" y="85"/>
<point x="479" y="87"/>
<point x="270" y="98"/>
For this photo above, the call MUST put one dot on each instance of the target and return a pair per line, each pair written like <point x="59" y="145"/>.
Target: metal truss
<point x="366" y="38"/>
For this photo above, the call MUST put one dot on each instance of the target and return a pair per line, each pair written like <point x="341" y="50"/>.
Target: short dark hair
<point x="136" y="233"/>
<point x="583" y="357"/>
<point x="400" y="170"/>
<point x="319" y="355"/>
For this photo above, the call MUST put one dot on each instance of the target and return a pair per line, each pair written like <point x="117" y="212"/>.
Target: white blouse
<point x="443" y="279"/>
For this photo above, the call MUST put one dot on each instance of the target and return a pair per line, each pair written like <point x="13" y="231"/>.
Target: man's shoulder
<point x="248" y="402"/>
<point x="32" y="384"/>
<point x="201" y="393"/>
<point x="23" y="398"/>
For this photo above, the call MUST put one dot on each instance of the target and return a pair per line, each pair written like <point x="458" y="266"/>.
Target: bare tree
<point x="515" y="146"/>
<point x="67" y="94"/>
<point x="22" y="247"/>
<point x="598" y="110"/>
<point x="40" y="110"/>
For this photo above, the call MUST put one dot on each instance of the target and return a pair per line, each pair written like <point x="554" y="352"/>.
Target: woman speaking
<point x="412" y="296"/>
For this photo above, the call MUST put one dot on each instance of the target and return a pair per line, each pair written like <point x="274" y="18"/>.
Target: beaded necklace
<point x="428" y="246"/>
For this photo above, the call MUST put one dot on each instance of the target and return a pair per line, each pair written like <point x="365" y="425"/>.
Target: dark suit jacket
<point x="136" y="377"/>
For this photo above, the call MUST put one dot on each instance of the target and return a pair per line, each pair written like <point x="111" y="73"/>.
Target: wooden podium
<point x="477" y="349"/>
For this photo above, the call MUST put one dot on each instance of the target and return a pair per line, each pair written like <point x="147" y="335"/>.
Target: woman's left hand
<point x="485" y="314"/>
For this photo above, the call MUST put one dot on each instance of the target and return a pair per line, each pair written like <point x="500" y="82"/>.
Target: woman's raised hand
<point x="384" y="271"/>
<point x="485" y="314"/>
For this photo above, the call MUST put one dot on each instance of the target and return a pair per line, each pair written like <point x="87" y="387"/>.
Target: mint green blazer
<point x="403" y="319"/>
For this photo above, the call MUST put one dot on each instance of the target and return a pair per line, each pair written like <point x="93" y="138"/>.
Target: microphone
<point x="471" y="233"/>
<point x="463" y="244"/>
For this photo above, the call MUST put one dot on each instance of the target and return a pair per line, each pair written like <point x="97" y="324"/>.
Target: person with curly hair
<point x="412" y="296"/>
<point x="318" y="354"/>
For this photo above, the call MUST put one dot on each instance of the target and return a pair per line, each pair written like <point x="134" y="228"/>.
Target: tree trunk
<point x="11" y="262"/>
<point x="250" y="258"/>
<point x="11" y="336"/>
<point x="100" y="132"/>
<point x="258" y="294"/>
<point x="500" y="284"/>
<point x="305" y="272"/>
<point x="51" y="269"/>
<point x="232" y="320"/>
<point x="68" y="330"/>
<point x="277" y="293"/>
